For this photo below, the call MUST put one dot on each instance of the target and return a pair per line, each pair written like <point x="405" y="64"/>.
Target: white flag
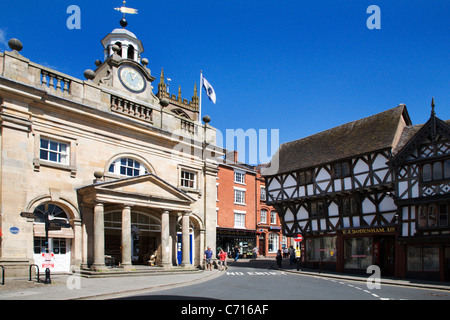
<point x="209" y="91"/>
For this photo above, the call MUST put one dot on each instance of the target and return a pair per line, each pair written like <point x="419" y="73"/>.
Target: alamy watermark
<point x="74" y="20"/>
<point x="254" y="146"/>
<point x="374" y="281"/>
<point x="374" y="20"/>
<point x="74" y="281"/>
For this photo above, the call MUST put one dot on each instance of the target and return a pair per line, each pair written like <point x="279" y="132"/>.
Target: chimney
<point x="232" y="157"/>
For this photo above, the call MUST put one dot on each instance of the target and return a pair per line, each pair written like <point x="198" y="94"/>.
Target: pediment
<point x="147" y="190"/>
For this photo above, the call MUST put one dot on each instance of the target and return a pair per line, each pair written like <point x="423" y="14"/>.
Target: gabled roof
<point x="413" y="136"/>
<point x="146" y="190"/>
<point x="374" y="133"/>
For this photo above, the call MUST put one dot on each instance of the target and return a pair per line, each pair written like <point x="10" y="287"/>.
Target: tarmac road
<point x="257" y="281"/>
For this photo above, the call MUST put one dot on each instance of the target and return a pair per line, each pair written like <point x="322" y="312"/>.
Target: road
<point x="255" y="281"/>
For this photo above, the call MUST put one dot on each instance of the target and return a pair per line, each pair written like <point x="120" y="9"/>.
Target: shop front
<point x="363" y="247"/>
<point x="229" y="239"/>
<point x="426" y="258"/>
<point x="352" y="250"/>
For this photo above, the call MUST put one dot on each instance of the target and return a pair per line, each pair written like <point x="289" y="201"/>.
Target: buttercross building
<point x="115" y="170"/>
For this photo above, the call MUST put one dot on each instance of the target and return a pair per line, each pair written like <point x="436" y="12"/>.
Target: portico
<point x="136" y="198"/>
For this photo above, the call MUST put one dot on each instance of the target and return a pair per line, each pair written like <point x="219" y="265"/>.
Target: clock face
<point x="132" y="79"/>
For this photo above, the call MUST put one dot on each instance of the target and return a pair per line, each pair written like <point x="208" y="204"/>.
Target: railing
<point x="55" y="81"/>
<point x="3" y="275"/>
<point x="37" y="272"/>
<point x="130" y="108"/>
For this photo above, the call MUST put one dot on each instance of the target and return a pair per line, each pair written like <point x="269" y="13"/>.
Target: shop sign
<point x="236" y="233"/>
<point x="368" y="230"/>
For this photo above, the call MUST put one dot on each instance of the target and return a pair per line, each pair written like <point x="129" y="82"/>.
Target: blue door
<point x="180" y="248"/>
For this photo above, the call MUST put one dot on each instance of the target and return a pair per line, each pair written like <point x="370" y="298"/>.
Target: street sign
<point x="48" y="260"/>
<point x="31" y="215"/>
<point x="56" y="225"/>
<point x="298" y="238"/>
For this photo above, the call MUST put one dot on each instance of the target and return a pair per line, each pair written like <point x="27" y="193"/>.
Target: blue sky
<point x="298" y="66"/>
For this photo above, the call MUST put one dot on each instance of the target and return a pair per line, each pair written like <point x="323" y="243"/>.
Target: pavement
<point x="77" y="287"/>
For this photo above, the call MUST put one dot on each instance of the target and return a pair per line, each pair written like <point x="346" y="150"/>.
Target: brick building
<point x="243" y="218"/>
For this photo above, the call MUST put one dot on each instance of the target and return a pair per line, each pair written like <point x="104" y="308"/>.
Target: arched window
<point x="128" y="167"/>
<point x="447" y="169"/>
<point x="130" y="52"/>
<point x="119" y="44"/>
<point x="426" y="172"/>
<point x="437" y="171"/>
<point x="140" y="222"/>
<point x="54" y="212"/>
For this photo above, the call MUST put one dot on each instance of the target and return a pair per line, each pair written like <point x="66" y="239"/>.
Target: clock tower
<point x="125" y="76"/>
<point x="124" y="70"/>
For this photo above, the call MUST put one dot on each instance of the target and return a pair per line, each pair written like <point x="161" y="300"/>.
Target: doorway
<point x="60" y="247"/>
<point x="384" y="254"/>
<point x="180" y="248"/>
<point x="145" y="235"/>
<point x="143" y="246"/>
<point x="262" y="245"/>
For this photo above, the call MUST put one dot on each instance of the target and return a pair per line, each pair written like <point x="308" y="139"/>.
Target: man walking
<point x="208" y="258"/>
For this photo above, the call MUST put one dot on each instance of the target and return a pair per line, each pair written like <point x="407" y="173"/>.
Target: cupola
<point x="130" y="47"/>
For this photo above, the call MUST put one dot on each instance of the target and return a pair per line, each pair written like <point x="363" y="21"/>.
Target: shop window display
<point x="321" y="249"/>
<point x="423" y="259"/>
<point x="357" y="253"/>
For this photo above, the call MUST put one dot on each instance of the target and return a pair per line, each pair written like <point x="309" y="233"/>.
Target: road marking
<point x="254" y="273"/>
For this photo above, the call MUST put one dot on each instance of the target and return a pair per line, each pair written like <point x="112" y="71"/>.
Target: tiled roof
<point x="359" y="137"/>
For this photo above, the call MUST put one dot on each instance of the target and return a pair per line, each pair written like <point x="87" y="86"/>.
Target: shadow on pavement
<point x="261" y="263"/>
<point x="163" y="297"/>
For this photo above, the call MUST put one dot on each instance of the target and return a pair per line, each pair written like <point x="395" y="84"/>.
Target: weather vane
<point x="125" y="10"/>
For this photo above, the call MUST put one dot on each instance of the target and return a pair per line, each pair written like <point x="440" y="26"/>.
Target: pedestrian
<point x="208" y="259"/>
<point x="255" y="252"/>
<point x="223" y="260"/>
<point x="279" y="258"/>
<point x="291" y="255"/>
<point x="236" y="253"/>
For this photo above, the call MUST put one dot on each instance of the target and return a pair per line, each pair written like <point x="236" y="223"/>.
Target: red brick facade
<point x="239" y="206"/>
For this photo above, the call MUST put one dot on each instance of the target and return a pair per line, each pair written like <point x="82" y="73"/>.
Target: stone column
<point x="99" y="237"/>
<point x="84" y="255"/>
<point x="165" y="240"/>
<point x="186" y="247"/>
<point x="126" y="237"/>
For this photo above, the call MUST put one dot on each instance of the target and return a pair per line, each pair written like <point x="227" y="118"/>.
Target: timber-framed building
<point x="356" y="194"/>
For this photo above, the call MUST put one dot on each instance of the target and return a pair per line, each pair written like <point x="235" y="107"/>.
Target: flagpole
<point x="200" y="98"/>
